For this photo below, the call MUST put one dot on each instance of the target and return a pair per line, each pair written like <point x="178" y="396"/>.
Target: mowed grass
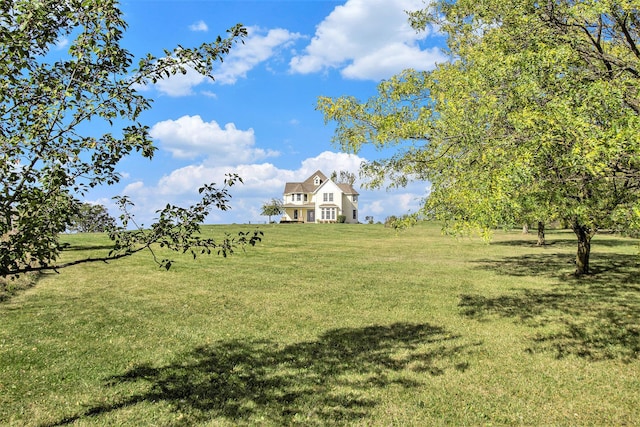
<point x="331" y="325"/>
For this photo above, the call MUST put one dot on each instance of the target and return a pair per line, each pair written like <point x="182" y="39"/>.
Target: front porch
<point x="298" y="214"/>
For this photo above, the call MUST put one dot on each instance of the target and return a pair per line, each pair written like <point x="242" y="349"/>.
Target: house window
<point x="317" y="181"/>
<point x="328" y="213"/>
<point x="327" y="197"/>
<point x="305" y="197"/>
<point x="295" y="214"/>
<point x="355" y="214"/>
<point x="299" y="197"/>
<point x="355" y="197"/>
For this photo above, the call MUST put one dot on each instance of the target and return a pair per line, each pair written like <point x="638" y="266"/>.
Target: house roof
<point x="347" y="189"/>
<point x="309" y="185"/>
<point x="293" y="187"/>
<point x="311" y="179"/>
<point x="304" y="206"/>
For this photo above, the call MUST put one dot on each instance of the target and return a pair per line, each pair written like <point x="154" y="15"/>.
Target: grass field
<point x="331" y="325"/>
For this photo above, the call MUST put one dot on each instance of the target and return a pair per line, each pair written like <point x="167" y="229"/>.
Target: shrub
<point x="401" y="223"/>
<point x="390" y="221"/>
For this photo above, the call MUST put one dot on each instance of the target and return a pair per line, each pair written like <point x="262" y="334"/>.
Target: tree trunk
<point x="541" y="241"/>
<point x="525" y="228"/>
<point x="584" y="248"/>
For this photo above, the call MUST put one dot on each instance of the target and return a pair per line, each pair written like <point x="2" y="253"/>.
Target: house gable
<point x="307" y="186"/>
<point x="328" y="187"/>
<point x="315" y="180"/>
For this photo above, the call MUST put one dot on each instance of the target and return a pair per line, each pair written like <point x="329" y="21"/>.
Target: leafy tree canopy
<point x="535" y="117"/>
<point x="344" y="177"/>
<point x="92" y="218"/>
<point x="49" y="157"/>
<point x="271" y="208"/>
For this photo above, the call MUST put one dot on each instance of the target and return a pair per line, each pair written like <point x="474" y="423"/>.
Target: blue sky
<point x="258" y="117"/>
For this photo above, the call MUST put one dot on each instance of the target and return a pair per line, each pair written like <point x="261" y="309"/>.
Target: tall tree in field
<point x="344" y="177"/>
<point x="272" y="208"/>
<point x="91" y="218"/>
<point x="534" y="117"/>
<point x="49" y="157"/>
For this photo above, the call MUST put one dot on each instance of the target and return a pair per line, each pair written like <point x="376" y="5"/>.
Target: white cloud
<point x="376" y="208"/>
<point x="380" y="205"/>
<point x="258" y="47"/>
<point x="190" y="137"/>
<point x="390" y="60"/>
<point x="209" y="94"/>
<point x="134" y="187"/>
<point x="180" y="84"/>
<point x="262" y="178"/>
<point x="328" y="162"/>
<point x="199" y="26"/>
<point x="186" y="181"/>
<point x="180" y="187"/>
<point x="62" y="43"/>
<point x="367" y="39"/>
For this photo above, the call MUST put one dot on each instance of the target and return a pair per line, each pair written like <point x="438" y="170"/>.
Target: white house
<point x="319" y="199"/>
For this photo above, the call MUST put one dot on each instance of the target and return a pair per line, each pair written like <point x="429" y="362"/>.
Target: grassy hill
<point x="331" y="324"/>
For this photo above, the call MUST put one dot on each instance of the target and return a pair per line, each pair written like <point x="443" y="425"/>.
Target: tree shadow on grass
<point x="88" y="247"/>
<point x="563" y="240"/>
<point x="332" y="380"/>
<point x="596" y="317"/>
<point x="12" y="286"/>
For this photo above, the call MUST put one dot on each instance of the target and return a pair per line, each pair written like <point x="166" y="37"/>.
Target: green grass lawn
<point x="331" y="324"/>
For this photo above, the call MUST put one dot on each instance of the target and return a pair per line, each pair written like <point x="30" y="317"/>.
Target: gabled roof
<point x="311" y="180"/>
<point x="348" y="189"/>
<point x="307" y="186"/>
<point x="293" y="187"/>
